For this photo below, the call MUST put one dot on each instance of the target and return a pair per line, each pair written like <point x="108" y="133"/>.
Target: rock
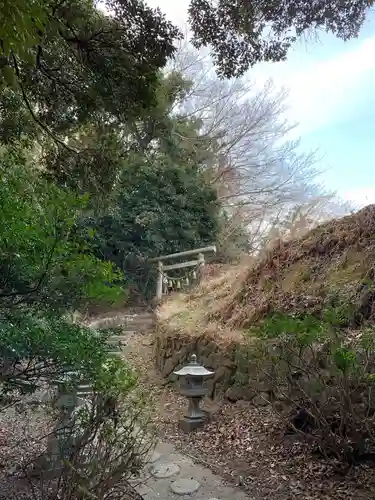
<point x="154" y="457"/>
<point x="169" y="366"/>
<point x="162" y="471"/>
<point x="279" y="406"/>
<point x="236" y="393"/>
<point x="211" y="406"/>
<point x="261" y="399"/>
<point x="260" y="386"/>
<point x="185" y="486"/>
<point x="221" y="373"/>
<point x="13" y="470"/>
<point x="144" y="490"/>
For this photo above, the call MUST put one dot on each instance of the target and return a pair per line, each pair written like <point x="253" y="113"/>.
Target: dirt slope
<point x="331" y="267"/>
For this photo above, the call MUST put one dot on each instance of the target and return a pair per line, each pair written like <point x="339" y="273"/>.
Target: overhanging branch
<point x="33" y="115"/>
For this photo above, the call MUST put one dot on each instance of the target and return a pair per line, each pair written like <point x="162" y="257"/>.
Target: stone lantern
<point x="61" y="440"/>
<point x="192" y="377"/>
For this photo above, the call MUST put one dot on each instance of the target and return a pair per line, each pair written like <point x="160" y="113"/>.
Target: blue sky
<point x="331" y="87"/>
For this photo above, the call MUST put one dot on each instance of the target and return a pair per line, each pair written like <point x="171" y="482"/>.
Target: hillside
<point x="331" y="267"/>
<point x="323" y="279"/>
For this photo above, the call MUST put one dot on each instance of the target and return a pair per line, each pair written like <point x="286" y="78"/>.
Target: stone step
<point x="130" y="328"/>
<point x="121" y="340"/>
<point x="139" y="315"/>
<point x="122" y="336"/>
<point x="136" y="326"/>
<point x="116" y="342"/>
<point x="123" y="320"/>
<point x="115" y="351"/>
<point x="84" y="387"/>
<point x="136" y="320"/>
<point x="85" y="393"/>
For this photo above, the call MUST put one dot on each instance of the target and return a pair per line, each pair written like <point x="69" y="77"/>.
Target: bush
<point x="324" y="377"/>
<point x="36" y="347"/>
<point x="44" y="262"/>
<point x="95" y="456"/>
<point x="46" y="270"/>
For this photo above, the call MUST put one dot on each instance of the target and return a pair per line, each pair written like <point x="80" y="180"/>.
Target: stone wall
<point x="234" y="377"/>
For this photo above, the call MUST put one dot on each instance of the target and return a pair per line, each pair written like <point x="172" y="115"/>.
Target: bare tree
<point x="298" y="220"/>
<point x="259" y="172"/>
<point x="256" y="163"/>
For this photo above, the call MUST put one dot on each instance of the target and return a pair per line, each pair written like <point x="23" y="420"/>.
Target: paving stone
<point x="144" y="490"/>
<point x="185" y="486"/>
<point x="155" y="457"/>
<point x="162" y="471"/>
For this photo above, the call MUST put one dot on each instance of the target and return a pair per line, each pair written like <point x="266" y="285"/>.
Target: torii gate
<point x="197" y="264"/>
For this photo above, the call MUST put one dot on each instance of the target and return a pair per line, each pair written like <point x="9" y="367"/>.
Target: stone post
<point x="61" y="441"/>
<point x="159" y="283"/>
<point x="201" y="263"/>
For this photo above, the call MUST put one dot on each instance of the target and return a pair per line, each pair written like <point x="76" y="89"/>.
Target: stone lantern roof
<point x="193" y="368"/>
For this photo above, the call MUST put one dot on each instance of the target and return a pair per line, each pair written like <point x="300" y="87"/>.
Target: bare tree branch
<point x="256" y="166"/>
<point x="32" y="112"/>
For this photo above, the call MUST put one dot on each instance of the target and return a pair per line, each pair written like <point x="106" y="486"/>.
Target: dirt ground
<point x="247" y="445"/>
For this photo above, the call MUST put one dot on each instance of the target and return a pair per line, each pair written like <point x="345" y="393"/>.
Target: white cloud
<point x="175" y="10"/>
<point x="325" y="92"/>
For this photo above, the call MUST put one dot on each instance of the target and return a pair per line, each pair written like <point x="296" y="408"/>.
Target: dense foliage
<point x="44" y="261"/>
<point x="160" y="208"/>
<point x="239" y="34"/>
<point x="83" y="61"/>
<point x="47" y="269"/>
<point x="75" y="78"/>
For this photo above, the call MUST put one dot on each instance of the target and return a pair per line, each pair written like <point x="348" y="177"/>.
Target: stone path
<point x="172" y="476"/>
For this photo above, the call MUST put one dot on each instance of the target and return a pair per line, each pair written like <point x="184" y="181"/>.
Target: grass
<point x="199" y="312"/>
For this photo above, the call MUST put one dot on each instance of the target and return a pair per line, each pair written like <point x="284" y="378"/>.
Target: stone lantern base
<point x="188" y="424"/>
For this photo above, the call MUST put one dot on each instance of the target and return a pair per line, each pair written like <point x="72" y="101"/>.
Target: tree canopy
<point x="243" y="33"/>
<point x="72" y="63"/>
<point x="137" y="38"/>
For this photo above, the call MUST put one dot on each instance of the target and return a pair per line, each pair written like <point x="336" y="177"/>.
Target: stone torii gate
<point x="196" y="264"/>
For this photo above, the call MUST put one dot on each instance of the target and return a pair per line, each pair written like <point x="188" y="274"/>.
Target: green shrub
<point x="323" y="379"/>
<point x="46" y="270"/>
